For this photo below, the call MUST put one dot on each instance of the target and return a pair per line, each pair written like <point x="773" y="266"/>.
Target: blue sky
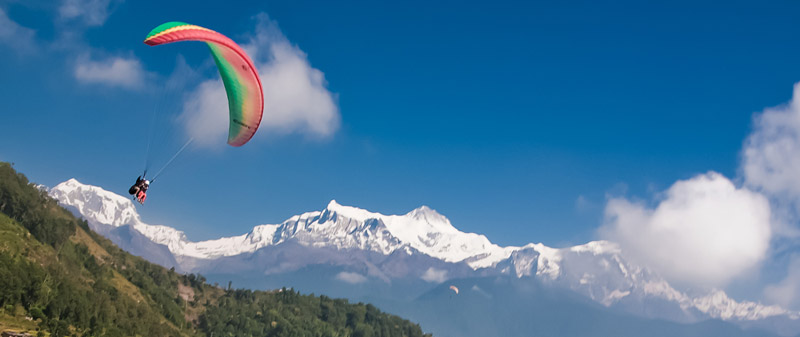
<point x="517" y="120"/>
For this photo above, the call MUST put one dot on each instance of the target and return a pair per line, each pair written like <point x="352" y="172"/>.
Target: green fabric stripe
<point x="164" y="26"/>
<point x="233" y="87"/>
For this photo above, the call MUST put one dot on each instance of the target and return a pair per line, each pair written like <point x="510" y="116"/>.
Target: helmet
<point x="147" y="182"/>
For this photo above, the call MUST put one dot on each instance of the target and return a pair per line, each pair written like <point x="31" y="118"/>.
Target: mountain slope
<point x="59" y="277"/>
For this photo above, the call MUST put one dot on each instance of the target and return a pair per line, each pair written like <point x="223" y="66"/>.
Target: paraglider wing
<point x="454" y="288"/>
<point x="242" y="84"/>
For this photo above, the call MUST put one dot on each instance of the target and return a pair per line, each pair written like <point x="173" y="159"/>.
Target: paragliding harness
<point x="139" y="189"/>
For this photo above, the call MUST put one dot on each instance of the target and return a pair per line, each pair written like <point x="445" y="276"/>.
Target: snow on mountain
<point x="338" y="226"/>
<point x="718" y="304"/>
<point x="101" y="207"/>
<point x="598" y="269"/>
<point x="427" y="231"/>
<point x="96" y="204"/>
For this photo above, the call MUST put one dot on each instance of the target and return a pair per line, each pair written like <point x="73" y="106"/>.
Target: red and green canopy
<point x="242" y="84"/>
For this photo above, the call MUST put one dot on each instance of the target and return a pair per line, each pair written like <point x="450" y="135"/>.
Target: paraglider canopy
<point x="242" y="84"/>
<point x="454" y="288"/>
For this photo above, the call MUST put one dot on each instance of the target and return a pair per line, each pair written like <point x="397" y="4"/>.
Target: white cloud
<point x="205" y="114"/>
<point x="435" y="275"/>
<point x="352" y="278"/>
<point x="787" y="292"/>
<point x="771" y="155"/>
<point x="14" y="36"/>
<point x="478" y="290"/>
<point x="584" y="205"/>
<point x="704" y="232"/>
<point x="296" y="98"/>
<point x="114" y="71"/>
<point x="770" y="165"/>
<point x="91" y="12"/>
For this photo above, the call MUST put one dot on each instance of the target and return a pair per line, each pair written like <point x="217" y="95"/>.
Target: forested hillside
<point x="58" y="278"/>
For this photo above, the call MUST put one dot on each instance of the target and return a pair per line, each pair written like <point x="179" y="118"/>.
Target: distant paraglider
<point x="454" y="289"/>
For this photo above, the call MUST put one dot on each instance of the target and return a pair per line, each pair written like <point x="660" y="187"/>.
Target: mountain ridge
<point x="597" y="269"/>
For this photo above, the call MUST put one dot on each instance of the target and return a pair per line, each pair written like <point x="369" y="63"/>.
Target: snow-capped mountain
<point x="95" y="204"/>
<point x="337" y="226"/>
<point x="600" y="270"/>
<point x="421" y="245"/>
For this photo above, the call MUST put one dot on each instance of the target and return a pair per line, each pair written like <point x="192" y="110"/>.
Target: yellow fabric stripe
<point x="179" y="28"/>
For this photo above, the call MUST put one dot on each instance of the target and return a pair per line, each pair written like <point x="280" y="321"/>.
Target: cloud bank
<point x="434" y="275"/>
<point x="352" y="278"/>
<point x="15" y="36"/>
<point x="296" y="97"/>
<point x="708" y="231"/>
<point x="90" y="12"/>
<point x="787" y="292"/>
<point x="771" y="154"/>
<point x="771" y="165"/>
<point x="705" y="231"/>
<point x="113" y="71"/>
<point x="72" y="19"/>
